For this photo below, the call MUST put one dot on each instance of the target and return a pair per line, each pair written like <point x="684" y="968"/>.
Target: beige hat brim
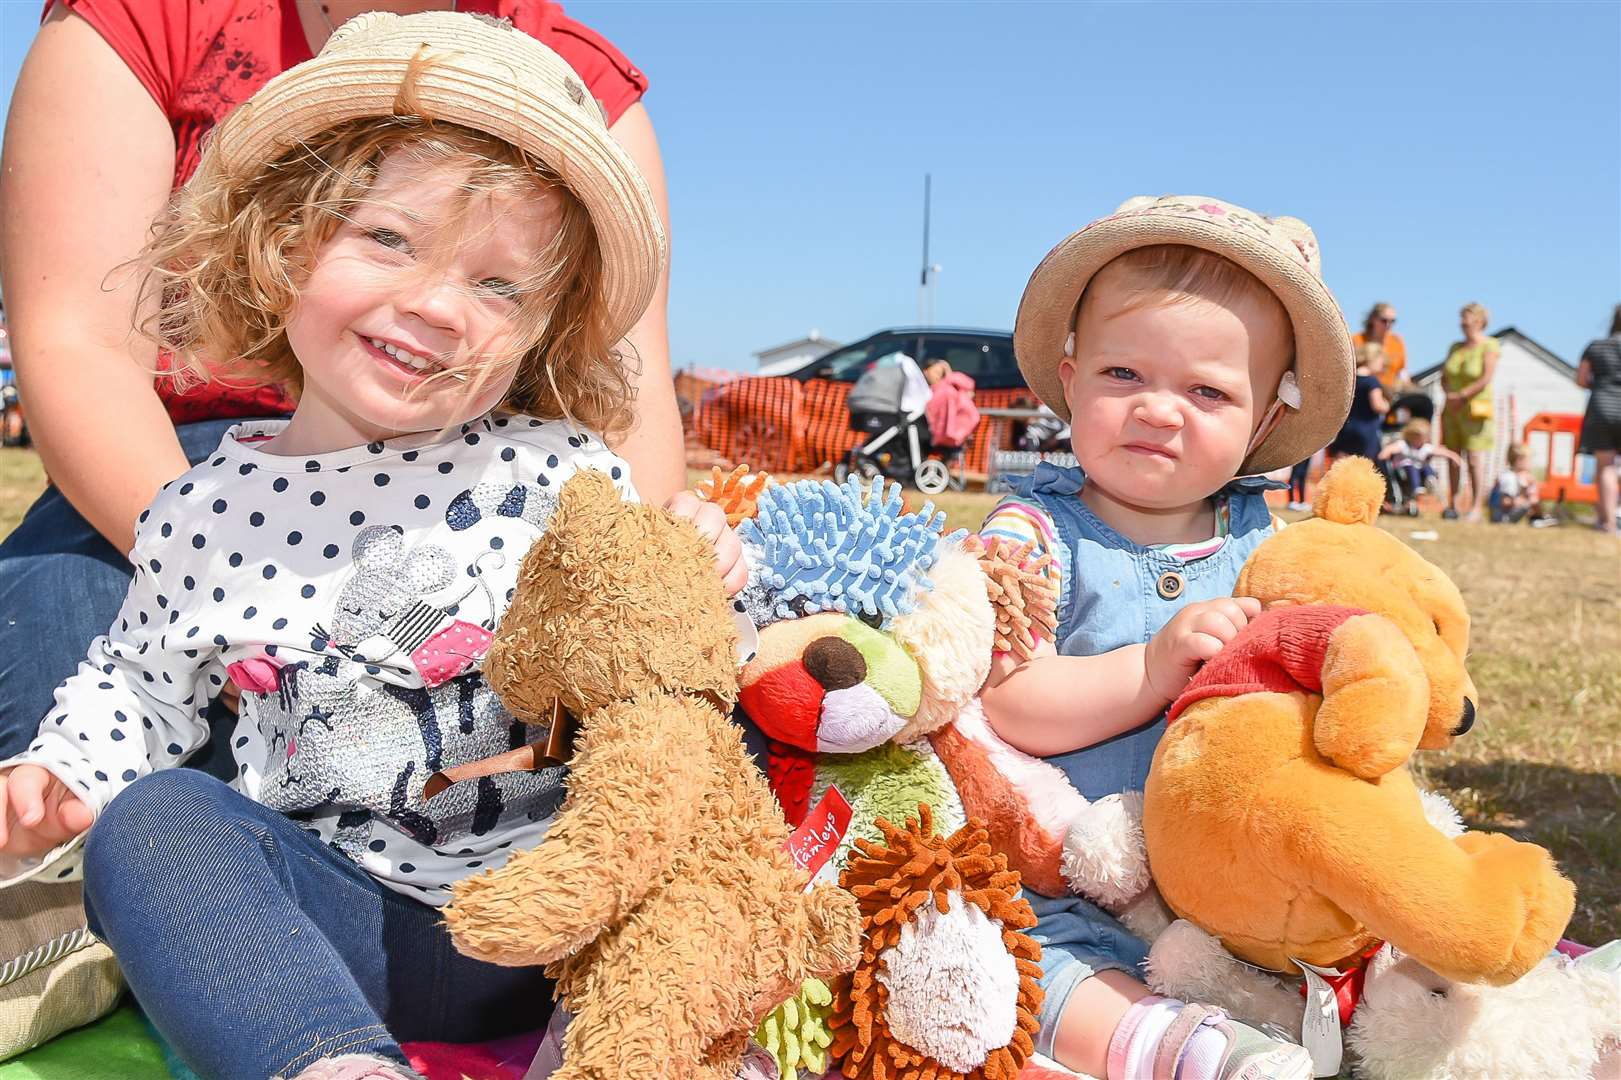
<point x="1323" y="363"/>
<point x="489" y="77"/>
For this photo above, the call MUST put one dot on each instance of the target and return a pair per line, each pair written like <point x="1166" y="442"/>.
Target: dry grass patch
<point x="21" y="481"/>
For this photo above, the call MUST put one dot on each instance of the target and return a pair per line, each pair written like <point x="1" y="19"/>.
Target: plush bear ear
<point x="1351" y="493"/>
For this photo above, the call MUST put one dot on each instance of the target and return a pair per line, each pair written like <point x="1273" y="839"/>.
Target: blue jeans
<point x="1078" y="939"/>
<point x="256" y="949"/>
<point x="61" y="584"/>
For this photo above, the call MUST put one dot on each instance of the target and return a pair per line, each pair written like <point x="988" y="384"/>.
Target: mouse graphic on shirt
<point x="338" y="737"/>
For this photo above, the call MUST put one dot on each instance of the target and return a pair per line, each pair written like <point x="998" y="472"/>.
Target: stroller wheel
<point x="858" y="465"/>
<point x="932" y="477"/>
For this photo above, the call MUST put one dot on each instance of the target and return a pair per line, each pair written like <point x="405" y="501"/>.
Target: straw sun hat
<point x="1281" y="252"/>
<point x="486" y="75"/>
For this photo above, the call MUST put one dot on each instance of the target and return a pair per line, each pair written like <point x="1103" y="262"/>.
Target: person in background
<point x="1514" y="496"/>
<point x="951" y="411"/>
<point x="1406" y="464"/>
<point x="1298" y="475"/>
<point x="1600" y="372"/>
<point x="1360" y="434"/>
<point x="1467" y="420"/>
<point x="111" y="107"/>
<point x="1379" y="328"/>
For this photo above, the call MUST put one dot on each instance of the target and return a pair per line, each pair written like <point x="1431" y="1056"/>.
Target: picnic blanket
<point x="123" y="1046"/>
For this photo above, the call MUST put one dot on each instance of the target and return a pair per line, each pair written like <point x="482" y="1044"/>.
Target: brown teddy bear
<point x="662" y="900"/>
<point x="1279" y="814"/>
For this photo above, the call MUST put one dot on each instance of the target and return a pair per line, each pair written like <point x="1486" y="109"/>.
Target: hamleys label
<point x="819" y="835"/>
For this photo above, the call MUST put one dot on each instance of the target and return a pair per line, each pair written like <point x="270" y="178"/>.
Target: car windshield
<point x="847" y="366"/>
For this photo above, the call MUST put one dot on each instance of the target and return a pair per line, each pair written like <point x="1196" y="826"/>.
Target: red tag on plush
<point x="817" y="838"/>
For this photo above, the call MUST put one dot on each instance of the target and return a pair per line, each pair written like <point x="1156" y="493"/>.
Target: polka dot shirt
<point x="365" y="577"/>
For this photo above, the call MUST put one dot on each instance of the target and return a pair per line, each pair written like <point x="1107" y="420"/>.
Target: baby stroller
<point x="888" y="404"/>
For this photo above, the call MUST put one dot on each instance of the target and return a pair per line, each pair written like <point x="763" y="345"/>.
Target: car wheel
<point x="932" y="477"/>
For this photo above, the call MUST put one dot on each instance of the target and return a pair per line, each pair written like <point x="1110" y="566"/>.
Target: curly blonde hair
<point x="227" y="259"/>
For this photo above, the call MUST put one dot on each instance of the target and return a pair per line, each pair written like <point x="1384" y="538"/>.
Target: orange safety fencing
<point x="783" y="425"/>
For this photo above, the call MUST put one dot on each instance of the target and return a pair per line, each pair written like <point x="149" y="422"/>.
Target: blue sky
<point x="1444" y="152"/>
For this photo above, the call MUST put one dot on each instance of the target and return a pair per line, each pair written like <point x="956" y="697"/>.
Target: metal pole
<point x="923" y="277"/>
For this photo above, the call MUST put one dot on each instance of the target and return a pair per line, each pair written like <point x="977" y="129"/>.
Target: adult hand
<point x="37" y="812"/>
<point x="1194" y="635"/>
<point x="710" y="521"/>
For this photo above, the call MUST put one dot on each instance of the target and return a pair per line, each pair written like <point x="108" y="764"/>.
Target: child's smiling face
<point x="1165" y="395"/>
<point x="419" y="282"/>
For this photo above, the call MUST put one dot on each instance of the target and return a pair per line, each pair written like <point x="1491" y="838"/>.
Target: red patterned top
<point x="200" y="60"/>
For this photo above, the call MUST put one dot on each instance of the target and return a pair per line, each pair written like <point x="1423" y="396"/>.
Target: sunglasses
<point x="1391" y="319"/>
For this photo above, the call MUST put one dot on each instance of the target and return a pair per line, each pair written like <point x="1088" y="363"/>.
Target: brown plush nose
<point x="1468" y="720"/>
<point x="835" y="663"/>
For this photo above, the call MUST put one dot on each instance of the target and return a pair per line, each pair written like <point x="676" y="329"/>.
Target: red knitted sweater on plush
<point x="1280" y="651"/>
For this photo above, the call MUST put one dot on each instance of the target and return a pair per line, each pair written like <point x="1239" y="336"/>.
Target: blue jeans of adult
<point x="256" y="949"/>
<point x="61" y="584"/>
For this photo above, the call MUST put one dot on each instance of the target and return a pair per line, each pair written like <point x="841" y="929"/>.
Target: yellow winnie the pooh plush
<point x="662" y="900"/>
<point x="1280" y="815"/>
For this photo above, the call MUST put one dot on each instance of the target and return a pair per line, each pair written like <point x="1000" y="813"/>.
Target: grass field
<point x="1544" y="761"/>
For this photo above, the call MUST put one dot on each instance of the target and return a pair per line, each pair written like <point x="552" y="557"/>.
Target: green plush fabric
<point x="890" y="669"/>
<point x="119" y="1046"/>
<point x="888" y="782"/>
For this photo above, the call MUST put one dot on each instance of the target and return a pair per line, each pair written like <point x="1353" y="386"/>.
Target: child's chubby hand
<point x="1194" y="635"/>
<point x="38" y="812"/>
<point x="710" y="521"/>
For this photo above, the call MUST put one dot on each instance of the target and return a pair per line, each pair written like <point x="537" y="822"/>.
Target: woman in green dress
<point x="1467" y="422"/>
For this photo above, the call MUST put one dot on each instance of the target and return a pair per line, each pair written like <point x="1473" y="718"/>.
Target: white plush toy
<point x="1561" y="1020"/>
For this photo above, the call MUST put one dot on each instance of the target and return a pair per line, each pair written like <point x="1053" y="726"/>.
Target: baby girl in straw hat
<point x="1192" y="345"/>
<point x="428" y="233"/>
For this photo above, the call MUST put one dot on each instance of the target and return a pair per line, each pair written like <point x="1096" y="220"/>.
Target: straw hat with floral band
<point x="1315" y="394"/>
<point x="481" y="73"/>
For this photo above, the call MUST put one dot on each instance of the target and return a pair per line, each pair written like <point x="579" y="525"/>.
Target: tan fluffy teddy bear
<point x="662" y="900"/>
<point x="1280" y="815"/>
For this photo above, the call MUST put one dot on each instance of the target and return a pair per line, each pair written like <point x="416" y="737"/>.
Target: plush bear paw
<point x="1506" y="870"/>
<point x="1105" y="857"/>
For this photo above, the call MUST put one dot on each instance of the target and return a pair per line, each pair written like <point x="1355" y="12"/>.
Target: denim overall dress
<point x="1117" y="593"/>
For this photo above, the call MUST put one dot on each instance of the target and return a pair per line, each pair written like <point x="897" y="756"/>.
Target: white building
<point x="1530" y="379"/>
<point x="781" y="359"/>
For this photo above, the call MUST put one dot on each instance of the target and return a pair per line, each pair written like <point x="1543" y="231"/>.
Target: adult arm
<point x="89" y="158"/>
<point x="1584" y="374"/>
<point x="653" y="445"/>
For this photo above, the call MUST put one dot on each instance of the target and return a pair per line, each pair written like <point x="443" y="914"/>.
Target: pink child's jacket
<point x="951" y="410"/>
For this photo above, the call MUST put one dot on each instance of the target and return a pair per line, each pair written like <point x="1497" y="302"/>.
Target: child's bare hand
<point x="710" y="520"/>
<point x="1194" y="635"/>
<point x="37" y="812"/>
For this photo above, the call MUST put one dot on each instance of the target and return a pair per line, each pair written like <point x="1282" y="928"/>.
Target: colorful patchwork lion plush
<point x="875" y="631"/>
<point x="663" y="899"/>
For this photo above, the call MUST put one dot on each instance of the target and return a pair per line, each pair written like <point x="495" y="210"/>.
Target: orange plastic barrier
<point x="1568" y="476"/>
<point x="784" y="425"/>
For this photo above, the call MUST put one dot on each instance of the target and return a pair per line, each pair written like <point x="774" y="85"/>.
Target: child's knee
<point x="153" y="827"/>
